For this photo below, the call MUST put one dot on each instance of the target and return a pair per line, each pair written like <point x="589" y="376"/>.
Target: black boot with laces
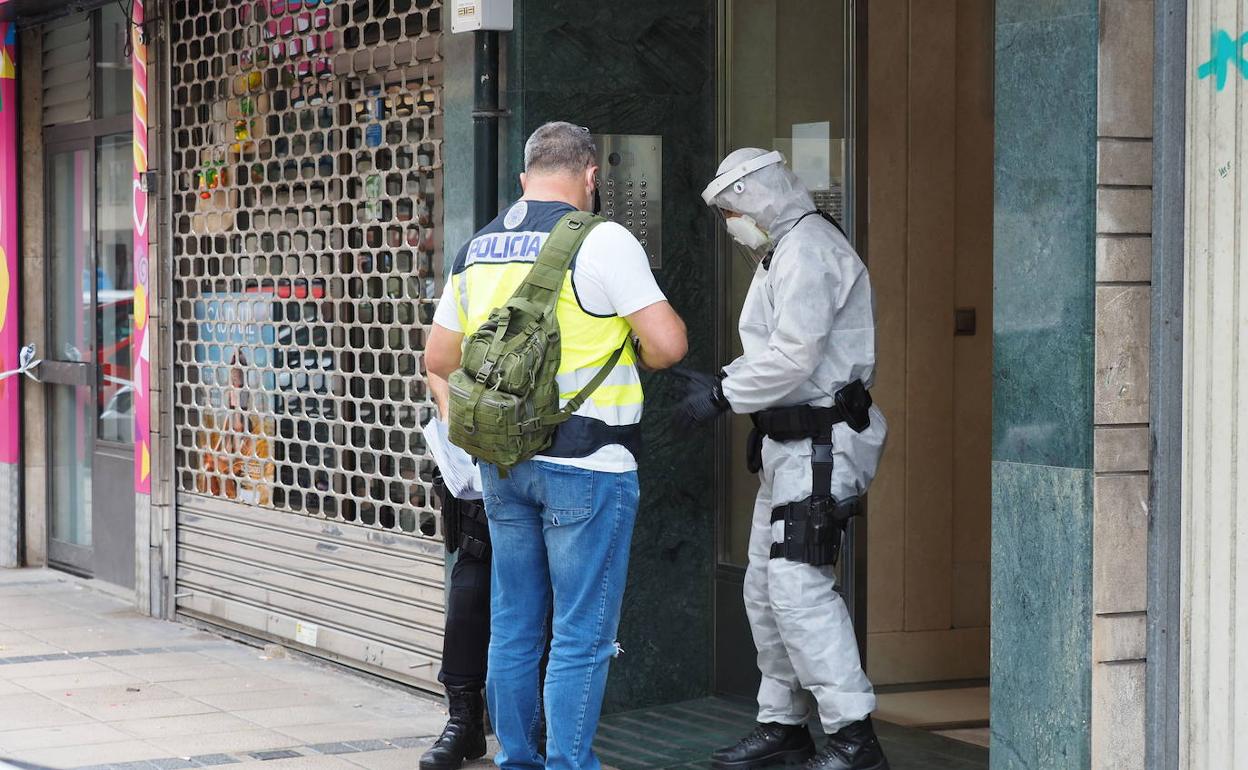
<point x="853" y="747"/>
<point x="770" y="743"/>
<point x="463" y="738"/>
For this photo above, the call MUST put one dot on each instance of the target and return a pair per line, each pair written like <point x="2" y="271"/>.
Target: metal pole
<point x="485" y="115"/>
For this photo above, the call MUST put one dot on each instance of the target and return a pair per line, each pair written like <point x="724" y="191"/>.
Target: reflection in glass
<point x="114" y="277"/>
<point x="787" y="90"/>
<point x="113" y="71"/>
<point x="69" y="239"/>
<point x="71" y="414"/>
<point x="71" y="419"/>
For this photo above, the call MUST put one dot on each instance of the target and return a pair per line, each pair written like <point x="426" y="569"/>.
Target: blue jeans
<point x="559" y="533"/>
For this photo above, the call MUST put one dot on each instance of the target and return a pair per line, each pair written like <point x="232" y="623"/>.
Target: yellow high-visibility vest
<point x="486" y="273"/>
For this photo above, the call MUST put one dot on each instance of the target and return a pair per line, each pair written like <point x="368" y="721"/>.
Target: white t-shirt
<point x="611" y="277"/>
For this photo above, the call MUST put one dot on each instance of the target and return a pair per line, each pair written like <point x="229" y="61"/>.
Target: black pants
<point x="466" y="640"/>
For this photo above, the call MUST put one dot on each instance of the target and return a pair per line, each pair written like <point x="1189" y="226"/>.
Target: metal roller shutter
<point x="305" y="203"/>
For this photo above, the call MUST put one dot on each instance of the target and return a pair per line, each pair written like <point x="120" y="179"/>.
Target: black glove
<point x="703" y="401"/>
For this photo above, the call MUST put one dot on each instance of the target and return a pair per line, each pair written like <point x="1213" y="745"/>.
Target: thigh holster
<point x="813" y="527"/>
<point x="474" y="529"/>
<point x="464" y="525"/>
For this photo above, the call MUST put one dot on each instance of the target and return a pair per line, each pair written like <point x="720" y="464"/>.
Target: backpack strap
<point x="545" y="278"/>
<point x="593" y="384"/>
<point x="575" y="403"/>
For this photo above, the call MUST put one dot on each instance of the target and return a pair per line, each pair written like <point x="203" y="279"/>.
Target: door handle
<point x="26" y="364"/>
<point x="75" y="373"/>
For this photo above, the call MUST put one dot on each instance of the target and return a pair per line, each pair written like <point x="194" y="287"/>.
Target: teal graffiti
<point x="1225" y="51"/>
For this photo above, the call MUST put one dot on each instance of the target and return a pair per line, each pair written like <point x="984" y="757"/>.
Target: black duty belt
<point x="851" y="405"/>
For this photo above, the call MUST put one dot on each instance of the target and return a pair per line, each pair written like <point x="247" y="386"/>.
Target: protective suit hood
<point x="757" y="183"/>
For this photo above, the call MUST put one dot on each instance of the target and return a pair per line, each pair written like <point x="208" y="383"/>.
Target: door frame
<point x="53" y="372"/>
<point x="1165" y="532"/>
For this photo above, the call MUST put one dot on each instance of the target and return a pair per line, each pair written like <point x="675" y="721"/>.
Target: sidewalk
<point x="85" y="681"/>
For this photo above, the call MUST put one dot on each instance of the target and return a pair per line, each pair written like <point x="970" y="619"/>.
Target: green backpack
<point x="504" y="397"/>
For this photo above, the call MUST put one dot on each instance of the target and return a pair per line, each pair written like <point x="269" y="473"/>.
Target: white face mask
<point x="745" y="231"/>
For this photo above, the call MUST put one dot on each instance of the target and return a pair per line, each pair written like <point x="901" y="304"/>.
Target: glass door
<point x="86" y="369"/>
<point x="67" y="368"/>
<point x="90" y="295"/>
<point x="786" y="83"/>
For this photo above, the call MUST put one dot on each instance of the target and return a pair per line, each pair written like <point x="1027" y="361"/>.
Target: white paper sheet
<point x="462" y="476"/>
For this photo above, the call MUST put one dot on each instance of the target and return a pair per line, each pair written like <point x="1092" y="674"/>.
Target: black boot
<point x="853" y="747"/>
<point x="770" y="744"/>
<point x="464" y="735"/>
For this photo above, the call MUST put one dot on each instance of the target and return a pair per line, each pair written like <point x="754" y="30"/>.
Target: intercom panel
<point x="630" y="183"/>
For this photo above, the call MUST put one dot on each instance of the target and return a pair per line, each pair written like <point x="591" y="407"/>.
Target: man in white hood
<point x="808" y="334"/>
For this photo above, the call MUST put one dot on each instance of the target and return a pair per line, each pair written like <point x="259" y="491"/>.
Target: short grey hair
<point x="559" y="146"/>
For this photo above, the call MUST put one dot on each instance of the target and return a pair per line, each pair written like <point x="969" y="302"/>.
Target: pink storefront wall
<point x="141" y="362"/>
<point x="10" y="428"/>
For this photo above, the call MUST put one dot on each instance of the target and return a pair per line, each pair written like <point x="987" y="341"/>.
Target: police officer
<point x="808" y="335"/>
<point x="466" y="639"/>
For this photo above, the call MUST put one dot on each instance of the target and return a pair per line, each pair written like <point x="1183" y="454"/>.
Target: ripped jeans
<point x="559" y="533"/>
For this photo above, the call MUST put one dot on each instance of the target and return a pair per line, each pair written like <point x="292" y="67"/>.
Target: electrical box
<point x="630" y="184"/>
<point x="473" y="15"/>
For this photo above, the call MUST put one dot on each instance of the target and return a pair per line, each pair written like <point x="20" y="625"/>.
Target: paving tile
<point x="349" y="732"/>
<point x="83" y="734"/>
<point x="104" y="753"/>
<point x="292" y="715"/>
<point x="16" y="671"/>
<point x="233" y="682"/>
<point x="300" y="763"/>
<point x="11" y="688"/>
<point x="169" y="674"/>
<point x="114" y="637"/>
<point x="230" y="701"/>
<point x="409" y="758"/>
<point x="223" y="743"/>
<point x="29" y="646"/>
<point x="277" y="754"/>
<point x="189" y="661"/>
<point x="334" y="747"/>
<point x="234" y="653"/>
<point x="211" y="760"/>
<point x="25" y="712"/>
<point x="33" y="622"/>
<point x="24" y="607"/>
<point x="89" y="679"/>
<point x="141" y="709"/>
<point x="128" y="692"/>
<point x="159" y="727"/>
<point x="172" y="763"/>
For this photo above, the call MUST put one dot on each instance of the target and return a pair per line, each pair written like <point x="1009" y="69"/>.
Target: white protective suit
<point x="807" y="330"/>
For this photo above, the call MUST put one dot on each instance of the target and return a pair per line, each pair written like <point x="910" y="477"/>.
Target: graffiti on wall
<point x="140" y="360"/>
<point x="1226" y="52"/>
<point x="10" y="433"/>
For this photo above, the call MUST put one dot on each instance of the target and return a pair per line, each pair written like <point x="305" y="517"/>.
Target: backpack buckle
<point x="483" y="373"/>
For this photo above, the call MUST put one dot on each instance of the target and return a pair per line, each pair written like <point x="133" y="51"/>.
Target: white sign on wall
<point x="472" y="15"/>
